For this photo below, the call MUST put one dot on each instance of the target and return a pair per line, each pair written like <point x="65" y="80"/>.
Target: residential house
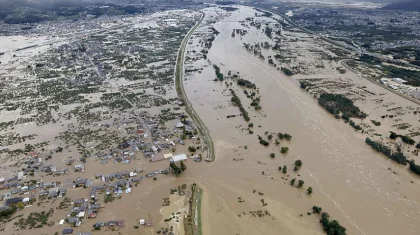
<point x="79" y="182"/>
<point x="79" y="168"/>
<point x="93" y="193"/>
<point x="13" y="201"/>
<point x="74" y="221"/>
<point x="53" y="192"/>
<point x="67" y="231"/>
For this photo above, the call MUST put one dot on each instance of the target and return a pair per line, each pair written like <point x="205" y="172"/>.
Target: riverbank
<point x="179" y="84"/>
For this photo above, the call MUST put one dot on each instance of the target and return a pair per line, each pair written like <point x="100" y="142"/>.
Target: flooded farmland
<point x="245" y="191"/>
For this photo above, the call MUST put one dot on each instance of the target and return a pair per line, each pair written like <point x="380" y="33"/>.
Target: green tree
<point x="270" y="136"/>
<point x="287" y="136"/>
<point x="284" y="169"/>
<point x="309" y="190"/>
<point x="298" y="164"/>
<point x="183" y="167"/>
<point x="292" y="182"/>
<point x="279" y="168"/>
<point x="272" y="155"/>
<point x="20" y="205"/>
<point x="284" y="150"/>
<point x="177" y="171"/>
<point x="316" y="209"/>
<point x="300" y="184"/>
<point x="192" y="149"/>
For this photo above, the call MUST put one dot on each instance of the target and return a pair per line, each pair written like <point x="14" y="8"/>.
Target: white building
<point x="178" y="157"/>
<point x="399" y="80"/>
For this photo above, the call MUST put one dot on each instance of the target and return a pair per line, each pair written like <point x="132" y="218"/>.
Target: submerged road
<point x="179" y="84"/>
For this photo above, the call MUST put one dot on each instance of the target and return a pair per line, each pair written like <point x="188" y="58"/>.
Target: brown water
<point x="350" y="181"/>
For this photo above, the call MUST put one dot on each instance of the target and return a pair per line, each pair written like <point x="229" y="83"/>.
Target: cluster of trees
<point x="5" y="214"/>
<point x="413" y="167"/>
<point x="304" y="84"/>
<point x="284" y="169"/>
<point x="235" y="99"/>
<point x="411" y="76"/>
<point x="336" y="103"/>
<point x="404" y="138"/>
<point x="192" y="149"/>
<point x="355" y="126"/>
<point x="263" y="141"/>
<point x="369" y="59"/>
<point x="287" y="71"/>
<point x="300" y="182"/>
<point x="284" y="136"/>
<point x="178" y="170"/>
<point x="268" y="31"/>
<point x="219" y="75"/>
<point x="331" y="227"/>
<point x="397" y="156"/>
<point x="229" y="8"/>
<point x="249" y="95"/>
<point x="256" y="103"/>
<point x="376" y="123"/>
<point x="246" y="83"/>
<point x="316" y="209"/>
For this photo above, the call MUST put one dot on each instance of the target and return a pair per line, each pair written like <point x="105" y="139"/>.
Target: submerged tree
<point x="177" y="171"/>
<point x="183" y="167"/>
<point x="292" y="181"/>
<point x="300" y="183"/>
<point x="309" y="190"/>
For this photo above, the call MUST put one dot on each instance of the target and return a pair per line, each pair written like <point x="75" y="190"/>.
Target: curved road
<point x="179" y="84"/>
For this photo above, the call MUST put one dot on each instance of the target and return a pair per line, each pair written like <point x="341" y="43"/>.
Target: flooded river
<point x="350" y="181"/>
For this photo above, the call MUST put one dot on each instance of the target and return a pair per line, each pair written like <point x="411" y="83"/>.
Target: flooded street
<point x="350" y="180"/>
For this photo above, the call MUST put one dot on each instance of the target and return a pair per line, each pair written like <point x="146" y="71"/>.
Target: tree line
<point x="219" y="75"/>
<point x="336" y="103"/>
<point x="397" y="156"/>
<point x="235" y="99"/>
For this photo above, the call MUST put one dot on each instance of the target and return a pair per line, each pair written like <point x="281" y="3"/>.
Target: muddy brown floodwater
<point x="350" y="181"/>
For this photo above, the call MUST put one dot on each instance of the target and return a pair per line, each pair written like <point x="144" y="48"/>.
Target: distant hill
<point x="413" y="5"/>
<point x="33" y="11"/>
